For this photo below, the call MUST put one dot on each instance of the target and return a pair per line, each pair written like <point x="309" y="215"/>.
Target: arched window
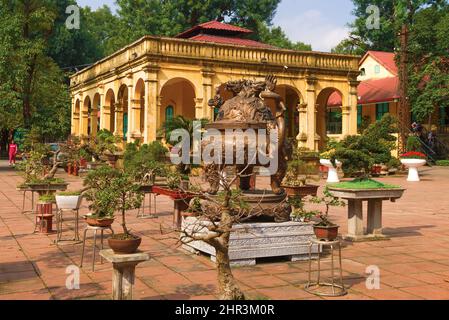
<point x="169" y="113"/>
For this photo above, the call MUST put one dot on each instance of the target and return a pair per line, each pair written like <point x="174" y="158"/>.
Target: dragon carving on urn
<point x="249" y="106"/>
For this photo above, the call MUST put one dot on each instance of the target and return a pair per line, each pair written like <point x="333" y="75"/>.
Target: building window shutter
<point x="169" y="113"/>
<point x="381" y="110"/>
<point x="359" y="115"/>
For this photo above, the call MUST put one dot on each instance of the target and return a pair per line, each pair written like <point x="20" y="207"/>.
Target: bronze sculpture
<point x="248" y="107"/>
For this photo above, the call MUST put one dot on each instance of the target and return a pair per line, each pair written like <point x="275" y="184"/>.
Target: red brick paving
<point x="414" y="264"/>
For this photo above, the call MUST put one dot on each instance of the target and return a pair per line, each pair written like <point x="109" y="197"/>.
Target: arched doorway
<point x="121" y="118"/>
<point x="139" y="110"/>
<point x="109" y="112"/>
<point x="329" y="119"/>
<point x="178" y="99"/>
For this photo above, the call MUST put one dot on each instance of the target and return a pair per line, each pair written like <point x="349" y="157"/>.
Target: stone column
<point x="123" y="275"/>
<point x="152" y="108"/>
<point x="199" y="108"/>
<point x="105" y="118"/>
<point x="136" y="134"/>
<point x="208" y="93"/>
<point x="354" y="102"/>
<point x="374" y="217"/>
<point x="355" y="218"/>
<point x="345" y="119"/>
<point x="118" y="120"/>
<point x="311" y="114"/>
<point x="131" y="121"/>
<point x="302" y="137"/>
<point x="94" y="121"/>
<point x="84" y="123"/>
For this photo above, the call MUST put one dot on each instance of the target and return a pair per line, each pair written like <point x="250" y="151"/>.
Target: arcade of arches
<point x="133" y="92"/>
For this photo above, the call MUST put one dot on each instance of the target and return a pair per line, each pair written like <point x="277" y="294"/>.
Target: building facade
<point x="134" y="91"/>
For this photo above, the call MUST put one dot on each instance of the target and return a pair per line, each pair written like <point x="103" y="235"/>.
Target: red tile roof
<point x="372" y="91"/>
<point x="213" y="25"/>
<point x="386" y="59"/>
<point x="230" y="40"/>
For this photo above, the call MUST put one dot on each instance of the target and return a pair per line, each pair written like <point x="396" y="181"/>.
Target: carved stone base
<point x="259" y="240"/>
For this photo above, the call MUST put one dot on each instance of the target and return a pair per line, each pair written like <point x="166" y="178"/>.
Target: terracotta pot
<point x="326" y="233"/>
<point x="301" y="191"/>
<point x="94" y="222"/>
<point x="124" y="246"/>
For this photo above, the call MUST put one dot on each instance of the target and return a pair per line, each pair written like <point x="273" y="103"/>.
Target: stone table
<point x="374" y="197"/>
<point x="124" y="272"/>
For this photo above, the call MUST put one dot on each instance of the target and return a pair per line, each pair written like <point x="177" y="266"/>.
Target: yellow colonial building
<point x="135" y="90"/>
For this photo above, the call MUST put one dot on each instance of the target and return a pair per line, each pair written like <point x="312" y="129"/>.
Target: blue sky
<point x="319" y="22"/>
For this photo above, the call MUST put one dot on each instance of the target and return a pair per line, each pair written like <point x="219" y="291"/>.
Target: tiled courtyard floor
<point x="414" y="264"/>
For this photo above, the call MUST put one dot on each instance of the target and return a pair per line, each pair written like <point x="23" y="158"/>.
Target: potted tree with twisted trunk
<point x="128" y="197"/>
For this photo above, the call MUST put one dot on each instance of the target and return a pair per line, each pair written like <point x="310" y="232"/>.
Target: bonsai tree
<point x="329" y="201"/>
<point x="128" y="198"/>
<point x="299" y="212"/>
<point x="215" y="218"/>
<point x="298" y="171"/>
<point x="36" y="169"/>
<point x="374" y="146"/>
<point x="146" y="162"/>
<point x="101" y="192"/>
<point x="105" y="143"/>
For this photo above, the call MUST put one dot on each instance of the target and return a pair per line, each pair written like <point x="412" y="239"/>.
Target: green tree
<point x="169" y="18"/>
<point x="392" y="14"/>
<point x="429" y="73"/>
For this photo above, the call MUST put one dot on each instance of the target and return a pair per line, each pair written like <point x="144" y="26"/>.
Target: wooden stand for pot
<point x="124" y="272"/>
<point x="44" y="218"/>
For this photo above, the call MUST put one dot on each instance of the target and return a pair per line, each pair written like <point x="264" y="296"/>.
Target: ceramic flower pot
<point x="326" y="233"/>
<point x="413" y="165"/>
<point x="95" y="222"/>
<point x="128" y="246"/>
<point x="332" y="176"/>
<point x="69" y="202"/>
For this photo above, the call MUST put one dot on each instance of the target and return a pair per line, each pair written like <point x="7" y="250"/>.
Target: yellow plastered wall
<point x="370" y="66"/>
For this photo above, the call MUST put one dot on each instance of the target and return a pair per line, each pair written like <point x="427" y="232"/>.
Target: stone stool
<point x="338" y="288"/>
<point x="95" y="230"/>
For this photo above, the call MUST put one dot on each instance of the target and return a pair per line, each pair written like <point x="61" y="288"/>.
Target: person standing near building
<point x="12" y="153"/>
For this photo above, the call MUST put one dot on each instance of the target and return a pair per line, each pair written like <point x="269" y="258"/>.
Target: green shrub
<point x="442" y="163"/>
<point x="413" y="144"/>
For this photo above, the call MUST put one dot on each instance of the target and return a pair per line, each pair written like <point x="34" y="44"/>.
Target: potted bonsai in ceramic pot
<point x="299" y="213"/>
<point x="298" y="174"/>
<point x="69" y="200"/>
<point x="413" y="160"/>
<point x="102" y="195"/>
<point x="127" y="197"/>
<point x="325" y="230"/>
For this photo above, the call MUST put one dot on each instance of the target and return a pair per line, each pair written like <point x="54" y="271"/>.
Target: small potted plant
<point x="331" y="165"/>
<point x="102" y="194"/>
<point x="46" y="199"/>
<point x="298" y="174"/>
<point x="299" y="213"/>
<point x="69" y="200"/>
<point x="127" y="197"/>
<point x="195" y="208"/>
<point x="326" y="230"/>
<point x="413" y="160"/>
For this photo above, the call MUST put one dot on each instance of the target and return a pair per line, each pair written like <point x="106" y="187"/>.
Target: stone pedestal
<point x="259" y="240"/>
<point x="124" y="272"/>
<point x="374" y="198"/>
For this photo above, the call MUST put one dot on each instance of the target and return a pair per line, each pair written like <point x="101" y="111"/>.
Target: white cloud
<point x="314" y="28"/>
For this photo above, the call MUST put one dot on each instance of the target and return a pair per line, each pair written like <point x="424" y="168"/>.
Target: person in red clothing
<point x="12" y="153"/>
